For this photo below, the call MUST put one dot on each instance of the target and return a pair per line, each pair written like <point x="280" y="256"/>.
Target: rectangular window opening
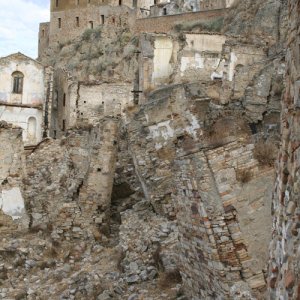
<point x="18" y="85"/>
<point x="64" y="100"/>
<point x="63" y="125"/>
<point x="102" y="19"/>
<point x="164" y="11"/>
<point x="56" y="3"/>
<point x="77" y="21"/>
<point x="59" y="22"/>
<point x="91" y="24"/>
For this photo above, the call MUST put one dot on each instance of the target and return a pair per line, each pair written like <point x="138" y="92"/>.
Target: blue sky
<point x="19" y="25"/>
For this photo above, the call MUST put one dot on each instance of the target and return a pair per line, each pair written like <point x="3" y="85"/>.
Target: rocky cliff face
<point x="171" y="197"/>
<point x="284" y="254"/>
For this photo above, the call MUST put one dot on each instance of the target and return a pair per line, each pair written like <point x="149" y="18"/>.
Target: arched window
<point x="18" y="79"/>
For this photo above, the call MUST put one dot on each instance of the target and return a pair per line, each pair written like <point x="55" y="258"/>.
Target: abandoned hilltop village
<point x="152" y="152"/>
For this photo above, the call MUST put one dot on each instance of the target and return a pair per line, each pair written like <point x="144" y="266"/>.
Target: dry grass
<point x="265" y="152"/>
<point x="243" y="175"/>
<point x="120" y="257"/>
<point x="168" y="279"/>
<point x="157" y="258"/>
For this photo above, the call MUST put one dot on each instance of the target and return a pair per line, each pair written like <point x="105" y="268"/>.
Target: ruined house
<point x="25" y="96"/>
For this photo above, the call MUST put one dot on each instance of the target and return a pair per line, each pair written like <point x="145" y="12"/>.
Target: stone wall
<point x="223" y="226"/>
<point x="76" y="102"/>
<point x="284" y="270"/>
<point x="11" y="171"/>
<point x="43" y="42"/>
<point x="33" y="82"/>
<point x="68" y="24"/>
<point x="69" y="182"/>
<point x="215" y="4"/>
<point x="164" y="24"/>
<point x="203" y="113"/>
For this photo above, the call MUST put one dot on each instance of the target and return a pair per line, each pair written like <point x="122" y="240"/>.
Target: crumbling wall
<point x="95" y="100"/>
<point x="164" y="24"/>
<point x="11" y="171"/>
<point x="195" y="142"/>
<point x="230" y="228"/>
<point x="73" y="22"/>
<point x="284" y="269"/>
<point x="69" y="182"/>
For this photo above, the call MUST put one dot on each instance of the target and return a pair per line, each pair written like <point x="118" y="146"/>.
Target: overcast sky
<point x="19" y="25"/>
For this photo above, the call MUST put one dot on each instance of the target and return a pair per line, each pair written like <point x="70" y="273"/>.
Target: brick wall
<point x="163" y="24"/>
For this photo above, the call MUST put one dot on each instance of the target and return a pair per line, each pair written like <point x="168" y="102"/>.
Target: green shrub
<point x="125" y="38"/>
<point x="86" y="36"/>
<point x="92" y="33"/>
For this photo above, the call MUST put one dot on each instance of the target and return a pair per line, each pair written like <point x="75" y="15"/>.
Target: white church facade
<point x="25" y="93"/>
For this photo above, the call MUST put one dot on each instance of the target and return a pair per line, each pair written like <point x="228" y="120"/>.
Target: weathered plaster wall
<point x="284" y="269"/>
<point x="106" y="99"/>
<point x="76" y="102"/>
<point x="33" y="87"/>
<point x="163" y="51"/>
<point x="31" y="109"/>
<point x="12" y="162"/>
<point x="201" y="57"/>
<point x="178" y="7"/>
<point x="29" y="119"/>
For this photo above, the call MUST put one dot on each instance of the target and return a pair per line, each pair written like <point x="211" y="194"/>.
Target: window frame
<point x="17" y="82"/>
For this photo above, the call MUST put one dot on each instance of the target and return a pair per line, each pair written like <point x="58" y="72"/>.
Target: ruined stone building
<point x="164" y="8"/>
<point x="25" y="96"/>
<point x="157" y="174"/>
<point x="69" y="19"/>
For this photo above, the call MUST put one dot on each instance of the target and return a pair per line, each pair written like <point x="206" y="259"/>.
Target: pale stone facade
<point x="76" y="102"/>
<point x="25" y="95"/>
<point x="11" y="174"/>
<point x="164" y="8"/>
